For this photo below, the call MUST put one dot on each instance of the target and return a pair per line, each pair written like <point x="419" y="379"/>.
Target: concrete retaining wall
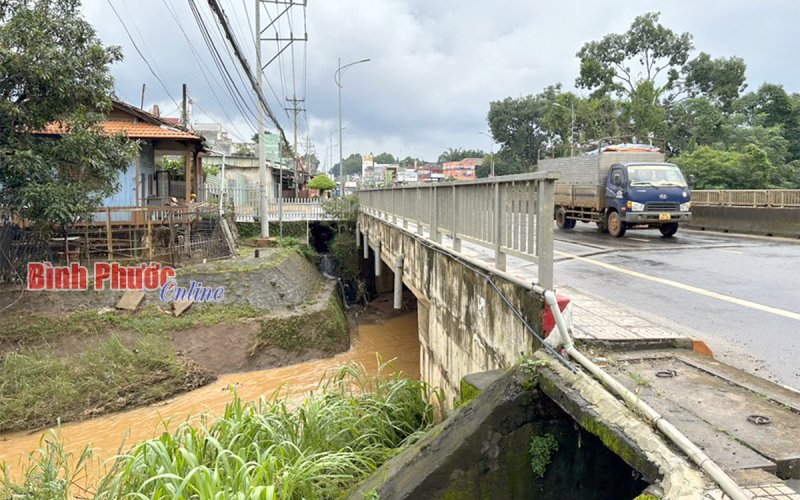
<point x="491" y="448"/>
<point x="464" y="325"/>
<point x="753" y="220"/>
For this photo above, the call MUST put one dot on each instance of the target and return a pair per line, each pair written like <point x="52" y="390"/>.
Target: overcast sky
<point x="435" y="64"/>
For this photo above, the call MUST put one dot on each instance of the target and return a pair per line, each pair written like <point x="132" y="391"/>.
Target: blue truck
<point x="620" y="187"/>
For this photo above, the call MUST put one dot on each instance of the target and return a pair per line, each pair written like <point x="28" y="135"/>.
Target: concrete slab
<point x="713" y="410"/>
<point x="180" y="306"/>
<point x="130" y="300"/>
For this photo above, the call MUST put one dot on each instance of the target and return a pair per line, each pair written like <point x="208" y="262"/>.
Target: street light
<point x="337" y="77"/>
<point x="491" y="150"/>
<point x="571" y="127"/>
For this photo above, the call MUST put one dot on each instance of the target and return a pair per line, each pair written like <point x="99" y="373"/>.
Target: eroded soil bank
<point x="70" y="356"/>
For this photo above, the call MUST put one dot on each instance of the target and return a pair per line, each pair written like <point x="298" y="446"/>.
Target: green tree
<point x="502" y="166"/>
<point x="647" y="52"/>
<point x="408" y="162"/>
<point x="322" y="183"/>
<point x="313" y="163"/>
<point x="721" y="80"/>
<point x="459" y="154"/>
<point x="385" y="158"/>
<point x="53" y="69"/>
<point x="716" y="169"/>
<point x="517" y="124"/>
<point x="352" y="165"/>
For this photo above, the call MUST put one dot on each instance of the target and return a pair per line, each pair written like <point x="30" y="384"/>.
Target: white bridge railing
<point x="774" y="198"/>
<point x="502" y="213"/>
<point x="245" y="206"/>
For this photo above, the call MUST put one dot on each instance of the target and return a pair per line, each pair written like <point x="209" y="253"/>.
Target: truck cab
<point x="646" y="195"/>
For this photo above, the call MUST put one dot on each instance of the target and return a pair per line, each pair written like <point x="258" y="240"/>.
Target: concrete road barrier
<point x="783" y="222"/>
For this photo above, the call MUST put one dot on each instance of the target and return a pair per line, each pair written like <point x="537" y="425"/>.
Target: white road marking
<point x="688" y="288"/>
<point x="728" y="251"/>
<point x="639" y="239"/>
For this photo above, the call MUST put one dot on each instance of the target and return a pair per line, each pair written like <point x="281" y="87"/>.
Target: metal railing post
<point x="405" y="207"/>
<point x="435" y="234"/>
<point x="418" y="211"/>
<point x="499" y="256"/>
<point x="544" y="233"/>
<point x="456" y="239"/>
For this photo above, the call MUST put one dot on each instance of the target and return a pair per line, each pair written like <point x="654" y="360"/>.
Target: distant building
<point x="216" y="136"/>
<point x="430" y="172"/>
<point x="368" y="169"/>
<point x="463" y="170"/>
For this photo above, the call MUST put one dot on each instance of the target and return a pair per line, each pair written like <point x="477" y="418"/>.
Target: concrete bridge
<point x="478" y="256"/>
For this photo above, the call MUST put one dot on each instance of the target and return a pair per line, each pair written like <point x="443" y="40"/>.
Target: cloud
<point x="435" y="66"/>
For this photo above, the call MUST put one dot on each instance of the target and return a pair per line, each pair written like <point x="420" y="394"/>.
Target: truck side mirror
<point x="616" y="179"/>
<point x="692" y="179"/>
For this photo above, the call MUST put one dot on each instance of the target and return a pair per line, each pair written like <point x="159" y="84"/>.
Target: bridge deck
<point x="765" y="459"/>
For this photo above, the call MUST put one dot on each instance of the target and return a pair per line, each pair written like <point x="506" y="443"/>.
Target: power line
<point x="206" y="72"/>
<point x="135" y="46"/>
<point x="223" y="21"/>
<point x="230" y="83"/>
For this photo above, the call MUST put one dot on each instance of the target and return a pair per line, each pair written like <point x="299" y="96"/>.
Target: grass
<point x="38" y="387"/>
<point x="324" y="328"/>
<point x="36" y="328"/>
<point x="273" y="448"/>
<point x="239" y="265"/>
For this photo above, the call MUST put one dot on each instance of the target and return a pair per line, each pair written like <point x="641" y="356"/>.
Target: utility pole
<point x="184" y="111"/>
<point x="144" y="86"/>
<point x="263" y="215"/>
<point x="295" y="111"/>
<point x="337" y="77"/>
<point x="283" y="42"/>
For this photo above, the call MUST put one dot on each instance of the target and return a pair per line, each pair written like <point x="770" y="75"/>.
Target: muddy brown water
<point x="392" y="338"/>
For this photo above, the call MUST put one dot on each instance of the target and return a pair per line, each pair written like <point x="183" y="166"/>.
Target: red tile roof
<point x="139" y="130"/>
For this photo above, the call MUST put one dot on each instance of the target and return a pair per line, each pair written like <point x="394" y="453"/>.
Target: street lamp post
<point x="337" y="77"/>
<point x="491" y="151"/>
<point x="571" y="126"/>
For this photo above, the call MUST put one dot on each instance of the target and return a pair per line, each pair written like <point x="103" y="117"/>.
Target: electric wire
<point x="136" y="47"/>
<point x="219" y="12"/>
<point x="230" y="83"/>
<point x="207" y="73"/>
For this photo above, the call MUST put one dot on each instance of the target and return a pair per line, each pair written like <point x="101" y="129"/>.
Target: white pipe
<point x="728" y="485"/>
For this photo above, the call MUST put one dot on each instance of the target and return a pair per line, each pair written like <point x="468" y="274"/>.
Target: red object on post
<point x="548" y="319"/>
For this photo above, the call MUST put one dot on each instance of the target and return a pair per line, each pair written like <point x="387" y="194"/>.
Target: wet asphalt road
<point x="737" y="293"/>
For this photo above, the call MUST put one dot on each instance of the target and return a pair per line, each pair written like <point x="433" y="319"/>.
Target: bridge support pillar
<point x="366" y="244"/>
<point x="377" y="258"/>
<point x="358" y="235"/>
<point x="398" y="282"/>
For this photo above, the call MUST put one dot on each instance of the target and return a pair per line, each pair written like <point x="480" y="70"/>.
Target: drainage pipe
<point x="398" y="282"/>
<point x="728" y="485"/>
<point x="377" y="258"/>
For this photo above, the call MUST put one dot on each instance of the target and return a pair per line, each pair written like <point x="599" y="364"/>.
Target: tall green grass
<point x="272" y="448"/>
<point x="38" y="386"/>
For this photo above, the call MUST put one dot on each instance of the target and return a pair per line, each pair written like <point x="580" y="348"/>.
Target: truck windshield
<point x="655" y="175"/>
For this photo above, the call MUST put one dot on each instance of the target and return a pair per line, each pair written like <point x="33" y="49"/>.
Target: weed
<point x="540" y="452"/>
<point x="640" y="380"/>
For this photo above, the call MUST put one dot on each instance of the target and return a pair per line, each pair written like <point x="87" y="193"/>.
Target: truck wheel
<point x="667" y="230"/>
<point x="615" y="224"/>
<point x="561" y="219"/>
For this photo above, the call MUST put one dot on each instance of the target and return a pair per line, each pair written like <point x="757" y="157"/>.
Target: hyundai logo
<point x="662" y="196"/>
